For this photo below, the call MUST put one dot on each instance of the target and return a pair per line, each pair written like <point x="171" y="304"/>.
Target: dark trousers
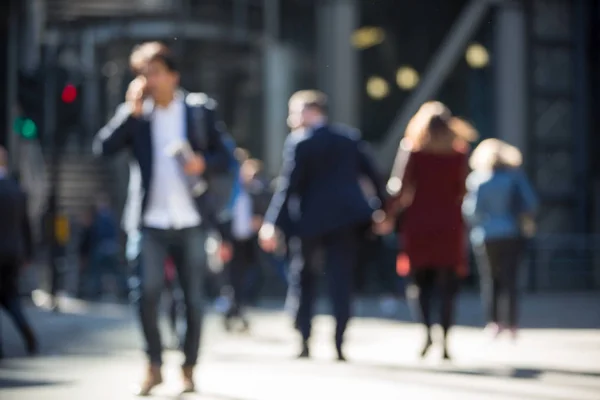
<point x="428" y="282"/>
<point x="186" y="247"/>
<point x="332" y="255"/>
<point x="9" y="298"/>
<point x="244" y="256"/>
<point x="498" y="262"/>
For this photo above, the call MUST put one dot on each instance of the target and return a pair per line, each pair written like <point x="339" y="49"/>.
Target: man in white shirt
<point x="170" y="217"/>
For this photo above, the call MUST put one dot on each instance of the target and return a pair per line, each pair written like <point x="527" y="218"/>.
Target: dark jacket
<point x="322" y="170"/>
<point x="258" y="189"/>
<point x="15" y="230"/>
<point x="124" y="131"/>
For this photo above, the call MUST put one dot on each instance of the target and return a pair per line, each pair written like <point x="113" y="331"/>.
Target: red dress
<point x="433" y="231"/>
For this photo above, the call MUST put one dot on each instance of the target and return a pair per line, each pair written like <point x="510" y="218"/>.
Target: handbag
<point x="527" y="224"/>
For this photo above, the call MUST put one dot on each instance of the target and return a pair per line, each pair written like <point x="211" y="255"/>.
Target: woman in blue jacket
<point x="500" y="206"/>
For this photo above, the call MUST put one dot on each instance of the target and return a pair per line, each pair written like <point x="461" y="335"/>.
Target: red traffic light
<point x="69" y="93"/>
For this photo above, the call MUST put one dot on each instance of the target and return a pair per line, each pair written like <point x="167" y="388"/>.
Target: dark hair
<point x="165" y="59"/>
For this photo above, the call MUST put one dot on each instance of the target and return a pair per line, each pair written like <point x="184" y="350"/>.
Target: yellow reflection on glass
<point x="407" y="78"/>
<point x="377" y="88"/>
<point x="477" y="56"/>
<point x="367" y="36"/>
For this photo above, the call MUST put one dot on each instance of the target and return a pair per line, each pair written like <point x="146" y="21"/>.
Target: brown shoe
<point x="188" y="379"/>
<point x="153" y="378"/>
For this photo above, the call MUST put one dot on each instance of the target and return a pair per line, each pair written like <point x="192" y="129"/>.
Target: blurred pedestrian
<point x="248" y="210"/>
<point x="158" y="115"/>
<point x="500" y="206"/>
<point x="105" y="251"/>
<point x="84" y="248"/>
<point x="428" y="185"/>
<point x="16" y="250"/>
<point x="321" y="170"/>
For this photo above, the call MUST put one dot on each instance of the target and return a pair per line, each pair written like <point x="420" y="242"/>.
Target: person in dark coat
<point x="15" y="251"/>
<point x="322" y="171"/>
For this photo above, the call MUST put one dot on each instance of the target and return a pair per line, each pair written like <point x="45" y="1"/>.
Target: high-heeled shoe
<point x="426" y="347"/>
<point x="445" y="354"/>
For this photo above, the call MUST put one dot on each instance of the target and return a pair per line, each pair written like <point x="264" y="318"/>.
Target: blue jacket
<point x="322" y="170"/>
<point x="495" y="202"/>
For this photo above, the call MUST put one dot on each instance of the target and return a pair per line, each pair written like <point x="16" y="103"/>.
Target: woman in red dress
<point x="428" y="186"/>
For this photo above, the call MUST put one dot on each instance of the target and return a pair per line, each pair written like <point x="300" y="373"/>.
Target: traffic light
<point x="69" y="93"/>
<point x="31" y="106"/>
<point x="69" y="105"/>
<point x="26" y="128"/>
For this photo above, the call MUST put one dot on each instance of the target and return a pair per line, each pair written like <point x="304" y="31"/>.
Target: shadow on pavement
<point x="502" y="372"/>
<point x="13" y="383"/>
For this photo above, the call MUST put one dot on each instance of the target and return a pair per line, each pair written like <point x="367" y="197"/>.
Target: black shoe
<point x="31" y="343"/>
<point x="340" y="353"/>
<point x="426" y="347"/>
<point x="305" y="353"/>
<point x="32" y="348"/>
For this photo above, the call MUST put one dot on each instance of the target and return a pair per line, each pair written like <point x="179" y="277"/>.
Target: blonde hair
<point x="494" y="153"/>
<point x="252" y="164"/>
<point x="310" y="98"/>
<point x="435" y="117"/>
<point x="143" y="53"/>
<point x="241" y="155"/>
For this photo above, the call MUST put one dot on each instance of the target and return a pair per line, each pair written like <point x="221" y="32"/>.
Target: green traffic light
<point x="26" y="128"/>
<point x="29" y="129"/>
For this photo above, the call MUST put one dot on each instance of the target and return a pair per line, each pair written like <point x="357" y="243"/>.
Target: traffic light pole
<point x="50" y="132"/>
<point x="11" y="92"/>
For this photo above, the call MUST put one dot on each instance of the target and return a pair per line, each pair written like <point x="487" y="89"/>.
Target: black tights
<point x="427" y="280"/>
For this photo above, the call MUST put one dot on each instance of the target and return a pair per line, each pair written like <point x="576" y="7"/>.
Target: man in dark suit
<point x="322" y="169"/>
<point x="15" y="250"/>
<point x="156" y="117"/>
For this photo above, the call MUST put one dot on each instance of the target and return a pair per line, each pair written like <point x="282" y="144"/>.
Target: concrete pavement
<point x="93" y="353"/>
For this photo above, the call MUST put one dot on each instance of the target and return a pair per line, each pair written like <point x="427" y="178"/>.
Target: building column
<point x="278" y="87"/>
<point x="31" y="40"/>
<point x="338" y="69"/>
<point x="510" y="58"/>
<point x="91" y="95"/>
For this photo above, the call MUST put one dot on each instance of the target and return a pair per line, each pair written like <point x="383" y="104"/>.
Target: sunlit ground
<point x="93" y="353"/>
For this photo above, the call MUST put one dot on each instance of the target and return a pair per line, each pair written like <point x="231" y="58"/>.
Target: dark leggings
<point x="428" y="281"/>
<point x="498" y="262"/>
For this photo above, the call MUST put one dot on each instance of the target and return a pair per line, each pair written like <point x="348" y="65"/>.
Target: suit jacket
<point x="15" y="231"/>
<point x="125" y="131"/>
<point x="322" y="170"/>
